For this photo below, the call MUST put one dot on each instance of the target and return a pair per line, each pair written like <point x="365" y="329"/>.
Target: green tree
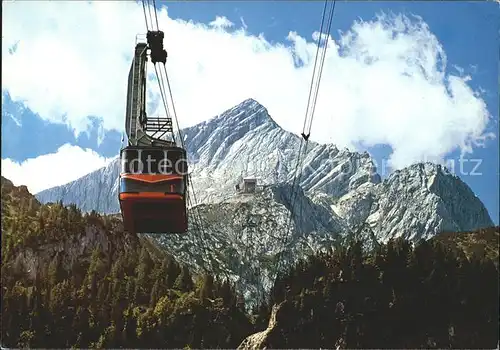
<point x="184" y="281"/>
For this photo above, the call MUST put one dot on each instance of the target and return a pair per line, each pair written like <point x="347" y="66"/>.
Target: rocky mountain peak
<point x="427" y="197"/>
<point x="211" y="139"/>
<point x="416" y="202"/>
<point x="340" y="191"/>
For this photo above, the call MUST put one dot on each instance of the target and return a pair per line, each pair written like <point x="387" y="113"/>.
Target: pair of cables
<point x="322" y="45"/>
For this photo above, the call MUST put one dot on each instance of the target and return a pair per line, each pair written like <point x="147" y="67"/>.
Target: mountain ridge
<point x="341" y="197"/>
<point x="245" y="141"/>
<point x="208" y="148"/>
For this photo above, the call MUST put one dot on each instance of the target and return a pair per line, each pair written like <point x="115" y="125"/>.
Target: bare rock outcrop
<point x="273" y="336"/>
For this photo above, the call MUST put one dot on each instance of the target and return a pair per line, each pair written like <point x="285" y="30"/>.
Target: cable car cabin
<point x="152" y="189"/>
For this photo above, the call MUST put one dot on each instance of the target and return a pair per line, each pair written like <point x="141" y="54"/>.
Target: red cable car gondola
<point x="153" y="189"/>
<point x="153" y="174"/>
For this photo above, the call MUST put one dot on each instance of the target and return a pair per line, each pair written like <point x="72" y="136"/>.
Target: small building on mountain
<point x="249" y="184"/>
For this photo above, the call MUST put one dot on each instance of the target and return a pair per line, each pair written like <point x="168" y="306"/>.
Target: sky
<point x="405" y="81"/>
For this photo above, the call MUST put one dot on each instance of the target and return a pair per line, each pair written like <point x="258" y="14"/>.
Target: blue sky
<point x="466" y="32"/>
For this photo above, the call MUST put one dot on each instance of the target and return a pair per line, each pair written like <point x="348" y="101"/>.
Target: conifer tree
<point x="184" y="281"/>
<point x="207" y="288"/>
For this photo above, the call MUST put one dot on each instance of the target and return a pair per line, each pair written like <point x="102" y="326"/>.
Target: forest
<point x="77" y="280"/>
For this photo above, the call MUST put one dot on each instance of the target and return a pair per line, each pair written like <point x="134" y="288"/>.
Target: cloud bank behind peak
<point x="384" y="81"/>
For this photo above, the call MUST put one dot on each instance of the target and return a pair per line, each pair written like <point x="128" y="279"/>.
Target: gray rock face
<point x="239" y="235"/>
<point x="243" y="141"/>
<point x="95" y="191"/>
<point x="423" y="200"/>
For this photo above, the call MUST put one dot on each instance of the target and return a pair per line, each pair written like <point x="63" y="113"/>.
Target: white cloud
<point x="67" y="164"/>
<point x="244" y="24"/>
<point x="221" y="22"/>
<point x="383" y="82"/>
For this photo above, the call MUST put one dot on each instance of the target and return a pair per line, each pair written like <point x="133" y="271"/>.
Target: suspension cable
<point x="323" y="56"/>
<point x="145" y="16"/>
<point x="172" y="104"/>
<point x="197" y="217"/>
<point x="306" y="131"/>
<point x="314" y="70"/>
<point x="156" y="16"/>
<point x="164" y="99"/>
<point x="195" y="207"/>
<point x="150" y="16"/>
<point x="161" y="85"/>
